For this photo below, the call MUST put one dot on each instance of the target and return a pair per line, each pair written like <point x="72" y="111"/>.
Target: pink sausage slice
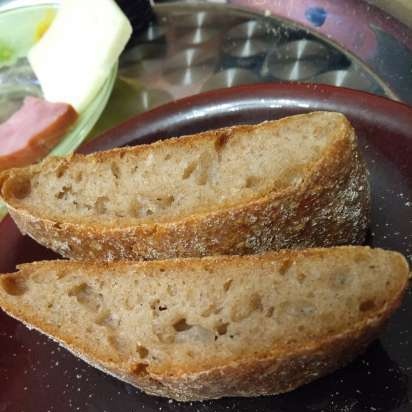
<point x="31" y="132"/>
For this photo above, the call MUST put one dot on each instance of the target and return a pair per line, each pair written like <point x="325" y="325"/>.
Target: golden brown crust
<point x="329" y="207"/>
<point x="280" y="368"/>
<point x="278" y="371"/>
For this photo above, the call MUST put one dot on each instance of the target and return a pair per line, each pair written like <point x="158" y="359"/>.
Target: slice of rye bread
<point x="295" y="182"/>
<point x="204" y="328"/>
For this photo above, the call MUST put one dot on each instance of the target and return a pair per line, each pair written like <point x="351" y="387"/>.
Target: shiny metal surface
<point x="201" y="19"/>
<point x="302" y="50"/>
<point x="229" y="78"/>
<point x="189" y="66"/>
<point x="296" y="60"/>
<point x="195" y="47"/>
<point x="198" y="35"/>
<point x="366" y="34"/>
<point x="153" y="32"/>
<point x="291" y="71"/>
<point x="143" y="52"/>
<point x="247" y="40"/>
<point x="344" y="78"/>
<point x="248" y="30"/>
<point x="190" y="58"/>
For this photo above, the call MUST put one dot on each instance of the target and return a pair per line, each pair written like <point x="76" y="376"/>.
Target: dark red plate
<point x="37" y="375"/>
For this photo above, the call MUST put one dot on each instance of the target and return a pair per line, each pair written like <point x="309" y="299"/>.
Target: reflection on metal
<point x="202" y="19"/>
<point x="149" y="99"/>
<point x="140" y="60"/>
<point x="189" y="66"/>
<point x="249" y="30"/>
<point x="229" y="78"/>
<point x="296" y="60"/>
<point x="198" y="36"/>
<point x="143" y="52"/>
<point x="302" y="50"/>
<point x="190" y="58"/>
<point x="153" y="33"/>
<point x="292" y="71"/>
<point x="201" y="46"/>
<point x="345" y="78"/>
<point x="247" y="40"/>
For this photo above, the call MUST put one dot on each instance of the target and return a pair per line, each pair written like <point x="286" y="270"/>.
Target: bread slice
<point x="204" y="328"/>
<point x="295" y="182"/>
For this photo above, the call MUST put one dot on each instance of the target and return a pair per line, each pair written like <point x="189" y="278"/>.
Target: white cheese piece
<point x="75" y="55"/>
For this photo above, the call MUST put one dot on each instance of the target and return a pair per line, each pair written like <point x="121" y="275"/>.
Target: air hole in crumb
<point x="291" y="176"/>
<point x="252" y="181"/>
<point x="222" y="140"/>
<point x="63" y="192"/>
<point x="181" y="325"/>
<point x="107" y="320"/>
<point x="162" y="270"/>
<point x="78" y="177"/>
<point x="61" y="170"/>
<point x="367" y="305"/>
<point x="49" y="305"/>
<point x="301" y="277"/>
<point x="100" y="205"/>
<point x="21" y="188"/>
<point x="285" y="266"/>
<point x="13" y="286"/>
<point x="171" y="290"/>
<point x="114" y="342"/>
<point x="139" y="369"/>
<point x="211" y="309"/>
<point x="149" y="212"/>
<point x="135" y="208"/>
<point x="256" y="302"/>
<point x="165" y="201"/>
<point x="340" y="279"/>
<point x="154" y="304"/>
<point x="203" y="171"/>
<point x="115" y="170"/>
<point x="208" y="269"/>
<point x="359" y="257"/>
<point x="222" y="328"/>
<point x="189" y="169"/>
<point x="162" y="308"/>
<point x="270" y="311"/>
<point x="86" y="296"/>
<point x="142" y="351"/>
<point x="60" y="275"/>
<point x="227" y="285"/>
<point x="168" y="156"/>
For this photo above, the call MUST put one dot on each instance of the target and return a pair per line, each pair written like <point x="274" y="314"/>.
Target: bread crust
<point x="329" y="207"/>
<point x="279" y="368"/>
<point x="273" y="373"/>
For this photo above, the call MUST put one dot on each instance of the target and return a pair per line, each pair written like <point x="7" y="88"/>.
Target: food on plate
<point x="31" y="132"/>
<point x="205" y="328"/>
<point x="294" y="182"/>
<point x="75" y="55"/>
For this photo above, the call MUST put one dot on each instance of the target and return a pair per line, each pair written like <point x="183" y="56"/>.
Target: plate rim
<point x="290" y="92"/>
